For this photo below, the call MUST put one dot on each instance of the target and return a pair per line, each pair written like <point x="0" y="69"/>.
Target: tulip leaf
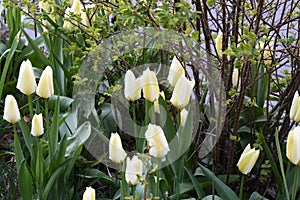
<point x="64" y="102"/>
<point x="26" y="135"/>
<point x="25" y="182"/>
<point x="256" y="195"/>
<point x="7" y="64"/>
<point x="199" y="190"/>
<point x="54" y="176"/>
<point x="53" y="135"/>
<point x="79" y="137"/>
<point x="223" y="190"/>
<point x="18" y="152"/>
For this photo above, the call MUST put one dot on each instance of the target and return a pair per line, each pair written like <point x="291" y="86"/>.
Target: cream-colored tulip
<point x="295" y="109"/>
<point x="85" y="20"/>
<point x="132" y="88"/>
<point x="182" y="92"/>
<point x="76" y="7"/>
<point x="176" y="71"/>
<point x="67" y="24"/>
<point x="293" y="146"/>
<point x="11" y="110"/>
<point x="45" y="88"/>
<point x="267" y="50"/>
<point x="116" y="152"/>
<point x="37" y="128"/>
<point x="183" y="117"/>
<point x="26" y="81"/>
<point x="134" y="169"/>
<point x="89" y="194"/>
<point x="157" y="141"/>
<point x="150" y="85"/>
<point x="235" y="78"/>
<point x="218" y="41"/>
<point x="156" y="103"/>
<point x="248" y="159"/>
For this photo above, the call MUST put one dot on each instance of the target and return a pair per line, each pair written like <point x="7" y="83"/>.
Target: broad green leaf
<point x="53" y="134"/>
<point x="223" y="190"/>
<point x="79" y="137"/>
<point x="25" y="182"/>
<point x="199" y="190"/>
<point x="64" y="102"/>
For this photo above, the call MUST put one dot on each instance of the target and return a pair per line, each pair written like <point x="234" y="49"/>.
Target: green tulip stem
<point x="47" y="114"/>
<point x="133" y="191"/>
<point x="134" y="119"/>
<point x="242" y="186"/>
<point x="157" y="176"/>
<point x="295" y="183"/>
<point x="15" y="129"/>
<point x="30" y="106"/>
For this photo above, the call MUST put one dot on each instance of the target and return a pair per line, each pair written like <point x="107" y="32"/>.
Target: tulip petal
<point x="11" y="110"/>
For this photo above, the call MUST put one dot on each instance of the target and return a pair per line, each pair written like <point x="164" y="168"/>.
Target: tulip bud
<point x="11" y="110"/>
<point x="76" y="7"/>
<point x="134" y="168"/>
<point x="218" y="42"/>
<point x="89" y="194"/>
<point x="157" y="141"/>
<point x="116" y="151"/>
<point x="26" y="81"/>
<point x="67" y="24"/>
<point x="235" y="78"/>
<point x="183" y="116"/>
<point x="37" y="128"/>
<point x="293" y="146"/>
<point x="132" y="88"/>
<point x="156" y="103"/>
<point x="176" y="70"/>
<point x="182" y="92"/>
<point x="150" y="85"/>
<point x="85" y="14"/>
<point x="45" y="87"/>
<point x="248" y="159"/>
<point x="295" y="109"/>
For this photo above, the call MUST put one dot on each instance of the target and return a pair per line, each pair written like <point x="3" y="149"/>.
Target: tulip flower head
<point x="218" y="42"/>
<point x="248" y="159"/>
<point x="295" y="109"/>
<point x="132" y="88"/>
<point x="116" y="152"/>
<point x="182" y="92"/>
<point x="37" y="128"/>
<point x="89" y="194"/>
<point x="157" y="141"/>
<point x="26" y="81"/>
<point x="150" y="85"/>
<point x="11" y="110"/>
<point x="235" y="78"/>
<point x="134" y="169"/>
<point x="183" y="116"/>
<point x="45" y="87"/>
<point x="176" y="71"/>
<point x="293" y="146"/>
<point x="76" y="7"/>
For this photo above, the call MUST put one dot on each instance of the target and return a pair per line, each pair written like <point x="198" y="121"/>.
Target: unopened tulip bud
<point x="157" y="141"/>
<point x="295" y="109"/>
<point x="76" y="6"/>
<point x="26" y="81"/>
<point x="89" y="194"/>
<point x="37" y="128"/>
<point x="293" y="146"/>
<point x="247" y="159"/>
<point x="183" y="116"/>
<point x="11" y="110"/>
<point x="218" y="42"/>
<point x="116" y="151"/>
<point x="176" y="71"/>
<point x="182" y="92"/>
<point x="150" y="85"/>
<point x="45" y="87"/>
<point x="235" y="78"/>
<point x="134" y="169"/>
<point x="132" y="88"/>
